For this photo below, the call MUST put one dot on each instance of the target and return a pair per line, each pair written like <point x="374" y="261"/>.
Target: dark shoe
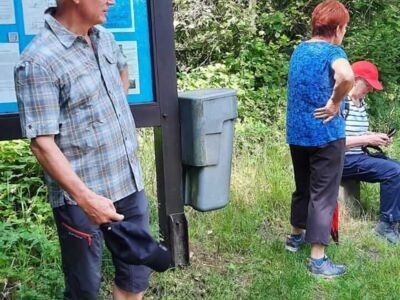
<point x="388" y="231"/>
<point x="293" y="244"/>
<point x="327" y="270"/>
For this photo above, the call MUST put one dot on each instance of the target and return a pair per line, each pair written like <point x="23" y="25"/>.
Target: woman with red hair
<point x="319" y="77"/>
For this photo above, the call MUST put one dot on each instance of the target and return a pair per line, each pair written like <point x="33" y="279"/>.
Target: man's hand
<point x="99" y="209"/>
<point x="328" y="112"/>
<point x="378" y="139"/>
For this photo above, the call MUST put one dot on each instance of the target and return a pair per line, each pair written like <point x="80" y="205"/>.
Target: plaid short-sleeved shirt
<point x="66" y="89"/>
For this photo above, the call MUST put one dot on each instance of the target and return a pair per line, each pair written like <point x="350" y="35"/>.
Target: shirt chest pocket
<point x="81" y="91"/>
<point x="81" y="88"/>
<point x="110" y="71"/>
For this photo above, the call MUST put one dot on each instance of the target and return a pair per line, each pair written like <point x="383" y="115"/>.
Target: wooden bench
<point x="349" y="194"/>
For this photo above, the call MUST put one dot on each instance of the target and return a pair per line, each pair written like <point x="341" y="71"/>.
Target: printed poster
<point x="129" y="50"/>
<point x="7" y="12"/>
<point x="121" y="17"/>
<point x="9" y="57"/>
<point x="33" y="12"/>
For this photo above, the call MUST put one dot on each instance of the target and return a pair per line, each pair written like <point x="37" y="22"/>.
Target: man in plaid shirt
<point x="71" y="84"/>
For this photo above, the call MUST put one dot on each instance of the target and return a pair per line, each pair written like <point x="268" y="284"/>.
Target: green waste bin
<point x="207" y="118"/>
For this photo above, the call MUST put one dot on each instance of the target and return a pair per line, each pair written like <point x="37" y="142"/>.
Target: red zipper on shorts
<point x="85" y="235"/>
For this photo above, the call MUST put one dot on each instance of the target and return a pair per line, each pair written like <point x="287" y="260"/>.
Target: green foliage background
<point x="242" y="44"/>
<point x="246" y="45"/>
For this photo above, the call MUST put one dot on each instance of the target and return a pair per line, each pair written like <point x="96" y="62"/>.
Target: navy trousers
<point x="385" y="171"/>
<point x="81" y="250"/>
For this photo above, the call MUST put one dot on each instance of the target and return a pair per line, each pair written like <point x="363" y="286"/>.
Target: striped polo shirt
<point x="356" y="122"/>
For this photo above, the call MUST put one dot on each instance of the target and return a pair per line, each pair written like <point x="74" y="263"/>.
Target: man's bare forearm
<point x="125" y="79"/>
<point x="356" y="141"/>
<point x="58" y="167"/>
<point x="376" y="139"/>
<point x="98" y="208"/>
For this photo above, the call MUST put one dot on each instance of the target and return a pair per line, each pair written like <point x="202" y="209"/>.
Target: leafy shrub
<point x="246" y="45"/>
<point x="239" y="44"/>
<point x="22" y="191"/>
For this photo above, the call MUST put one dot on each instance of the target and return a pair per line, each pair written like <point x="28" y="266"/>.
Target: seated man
<point x="363" y="167"/>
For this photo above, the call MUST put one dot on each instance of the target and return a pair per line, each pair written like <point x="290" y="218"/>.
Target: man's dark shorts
<point x="81" y="249"/>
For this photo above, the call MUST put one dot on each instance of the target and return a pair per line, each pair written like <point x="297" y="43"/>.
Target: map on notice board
<point x="21" y="20"/>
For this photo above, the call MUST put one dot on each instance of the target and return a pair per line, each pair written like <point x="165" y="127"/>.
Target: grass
<point x="236" y="252"/>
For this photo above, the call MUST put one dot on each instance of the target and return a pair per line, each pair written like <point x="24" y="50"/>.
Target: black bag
<point x="374" y="151"/>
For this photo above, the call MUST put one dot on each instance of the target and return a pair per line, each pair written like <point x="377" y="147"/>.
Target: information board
<point x="21" y="20"/>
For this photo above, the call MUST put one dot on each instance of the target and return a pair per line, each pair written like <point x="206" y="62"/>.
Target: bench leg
<point x="349" y="193"/>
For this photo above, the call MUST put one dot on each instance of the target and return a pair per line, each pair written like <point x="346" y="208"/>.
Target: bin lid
<point x="207" y="94"/>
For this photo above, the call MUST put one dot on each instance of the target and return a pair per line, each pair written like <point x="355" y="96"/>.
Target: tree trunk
<point x="253" y="13"/>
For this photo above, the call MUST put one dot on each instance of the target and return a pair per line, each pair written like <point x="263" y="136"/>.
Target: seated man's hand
<point x="378" y="139"/>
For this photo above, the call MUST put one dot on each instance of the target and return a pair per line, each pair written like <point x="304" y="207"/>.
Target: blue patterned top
<point x="310" y="85"/>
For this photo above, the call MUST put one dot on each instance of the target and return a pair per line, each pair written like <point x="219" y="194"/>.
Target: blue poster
<point x="121" y="16"/>
<point x="127" y="20"/>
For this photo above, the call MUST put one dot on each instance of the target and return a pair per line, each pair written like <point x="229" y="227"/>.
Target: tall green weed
<point x="22" y="190"/>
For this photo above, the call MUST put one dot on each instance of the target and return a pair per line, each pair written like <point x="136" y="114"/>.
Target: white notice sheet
<point x="7" y="12"/>
<point x="129" y="50"/>
<point x="33" y="11"/>
<point x="9" y="56"/>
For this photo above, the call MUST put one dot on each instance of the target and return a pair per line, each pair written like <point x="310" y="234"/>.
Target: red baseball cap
<point x="367" y="71"/>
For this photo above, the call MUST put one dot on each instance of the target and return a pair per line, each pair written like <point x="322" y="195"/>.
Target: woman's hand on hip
<point x="328" y="112"/>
